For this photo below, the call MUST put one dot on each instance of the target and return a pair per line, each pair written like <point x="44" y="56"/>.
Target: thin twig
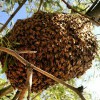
<point x="16" y="95"/>
<point x="6" y="90"/>
<point x="4" y="84"/>
<point x="91" y="8"/>
<point x="25" y="62"/>
<point x="3" y="24"/>
<point x="20" y="52"/>
<point x="84" y="9"/>
<point x="29" y="81"/>
<point x="70" y="7"/>
<point x="14" y="13"/>
<point x="36" y="95"/>
<point x="92" y="1"/>
<point x="41" y="1"/>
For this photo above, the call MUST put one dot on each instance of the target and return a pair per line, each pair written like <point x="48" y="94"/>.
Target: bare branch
<point x="28" y="85"/>
<point x="6" y="90"/>
<point x="25" y="62"/>
<point x="70" y="7"/>
<point x="22" y="94"/>
<point x="4" y="84"/>
<point x="92" y="1"/>
<point x="20" y="52"/>
<point x="29" y="81"/>
<point x="36" y="95"/>
<point x="41" y="1"/>
<point x="94" y="10"/>
<point x="16" y="95"/>
<point x="14" y="13"/>
<point x="1" y="23"/>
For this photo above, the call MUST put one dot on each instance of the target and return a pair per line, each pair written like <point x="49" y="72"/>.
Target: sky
<point x="20" y="15"/>
<point x="91" y="77"/>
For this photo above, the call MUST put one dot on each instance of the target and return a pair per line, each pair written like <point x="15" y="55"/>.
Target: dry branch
<point x="25" y="62"/>
<point x="6" y="90"/>
<point x="4" y="84"/>
<point x="28" y="84"/>
<point x="22" y="94"/>
<point x="94" y="3"/>
<point x="36" y="95"/>
<point x="20" y="52"/>
<point x="29" y="81"/>
<point x="70" y="7"/>
<point x="41" y="1"/>
<point x="16" y="95"/>
<point x="14" y="13"/>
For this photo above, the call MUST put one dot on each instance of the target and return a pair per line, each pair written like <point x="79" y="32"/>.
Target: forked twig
<point x="25" y="62"/>
<point x="14" y="13"/>
<point x="70" y="7"/>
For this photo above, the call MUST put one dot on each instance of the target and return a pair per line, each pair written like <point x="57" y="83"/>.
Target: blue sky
<point x="20" y="15"/>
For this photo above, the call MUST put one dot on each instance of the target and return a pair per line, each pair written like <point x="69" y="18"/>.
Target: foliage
<point x="82" y="5"/>
<point x="48" y="5"/>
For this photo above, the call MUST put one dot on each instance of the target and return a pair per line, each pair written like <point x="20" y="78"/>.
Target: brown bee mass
<point x="64" y="45"/>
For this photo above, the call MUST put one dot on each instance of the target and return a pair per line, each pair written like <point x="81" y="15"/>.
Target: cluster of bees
<point x="64" y="45"/>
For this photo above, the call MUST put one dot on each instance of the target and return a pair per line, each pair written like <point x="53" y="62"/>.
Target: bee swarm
<point x="64" y="45"/>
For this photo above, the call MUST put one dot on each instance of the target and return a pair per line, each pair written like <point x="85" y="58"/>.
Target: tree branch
<point x="70" y="7"/>
<point x="4" y="84"/>
<point x="22" y="94"/>
<point x="41" y="1"/>
<point x="94" y="3"/>
<point x="36" y="95"/>
<point x="6" y="90"/>
<point x="94" y="10"/>
<point x="20" y="52"/>
<point x="16" y="95"/>
<point x="25" y="62"/>
<point x="29" y="81"/>
<point x="14" y="13"/>
<point x="1" y="24"/>
<point x="28" y="85"/>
